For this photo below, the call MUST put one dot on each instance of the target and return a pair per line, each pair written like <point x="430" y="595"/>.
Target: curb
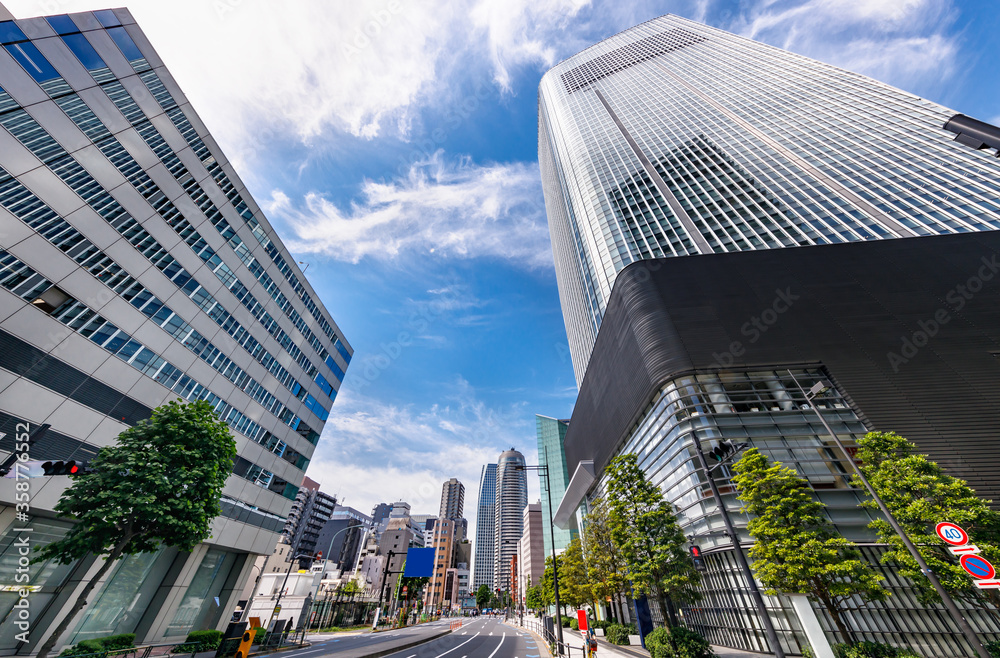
<point x="404" y="647"/>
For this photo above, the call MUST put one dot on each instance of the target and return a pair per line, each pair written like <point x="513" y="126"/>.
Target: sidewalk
<point x="575" y="640"/>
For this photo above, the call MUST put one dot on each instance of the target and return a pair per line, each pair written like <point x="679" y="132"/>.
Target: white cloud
<point x="901" y="42"/>
<point x="373" y="452"/>
<point x="459" y="210"/>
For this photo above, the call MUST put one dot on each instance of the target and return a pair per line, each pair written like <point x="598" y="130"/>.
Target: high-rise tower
<point x="482" y="573"/>
<point x="730" y="221"/>
<point x="550" y="433"/>
<point x="135" y="268"/>
<point x="452" y="500"/>
<point x="511" y="499"/>
<point x="674" y="139"/>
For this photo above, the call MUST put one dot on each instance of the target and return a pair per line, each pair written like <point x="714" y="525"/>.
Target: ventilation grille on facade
<point x="620" y="59"/>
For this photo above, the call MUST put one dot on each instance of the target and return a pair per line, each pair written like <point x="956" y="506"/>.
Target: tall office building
<point x="676" y="139"/>
<point x="482" y="571"/>
<point x="508" y="510"/>
<point x="452" y="500"/>
<point x="530" y="551"/>
<point x="721" y="214"/>
<point x="135" y="268"/>
<point x="550" y="434"/>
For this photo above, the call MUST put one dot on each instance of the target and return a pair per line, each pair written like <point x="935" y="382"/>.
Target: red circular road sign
<point x="951" y="534"/>
<point x="978" y="567"/>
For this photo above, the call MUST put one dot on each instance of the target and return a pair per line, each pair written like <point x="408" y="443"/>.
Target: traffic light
<point x="696" y="558"/>
<point x="69" y="467"/>
<point x="722" y="450"/>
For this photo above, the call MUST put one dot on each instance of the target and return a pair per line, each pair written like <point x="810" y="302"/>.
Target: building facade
<point x="309" y="514"/>
<point x="550" y="433"/>
<point x="673" y="139"/>
<point x="441" y="591"/>
<point x="482" y="568"/>
<point x="531" y="550"/>
<point x="452" y="500"/>
<point x="821" y="252"/>
<point x="136" y="269"/>
<point x="511" y="499"/>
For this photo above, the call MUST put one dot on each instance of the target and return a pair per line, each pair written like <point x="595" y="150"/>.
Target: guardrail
<point x="455" y="625"/>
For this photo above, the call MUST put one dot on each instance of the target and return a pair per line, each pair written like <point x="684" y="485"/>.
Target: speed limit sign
<point x="951" y="534"/>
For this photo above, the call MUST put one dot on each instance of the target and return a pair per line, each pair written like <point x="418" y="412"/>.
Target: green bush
<point x="872" y="650"/>
<point x="84" y="647"/>
<point x="258" y="633"/>
<point x="656" y="642"/>
<point x="677" y="642"/>
<point x="994" y="648"/>
<point x="209" y="640"/>
<point x="574" y="624"/>
<point x="101" y="644"/>
<point x="566" y="621"/>
<point x="616" y="634"/>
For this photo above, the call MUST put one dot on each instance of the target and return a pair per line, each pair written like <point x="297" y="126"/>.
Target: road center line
<point x="461" y="645"/>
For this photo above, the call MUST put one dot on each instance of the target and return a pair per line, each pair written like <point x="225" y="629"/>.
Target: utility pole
<point x="385" y="580"/>
<point x="953" y="610"/>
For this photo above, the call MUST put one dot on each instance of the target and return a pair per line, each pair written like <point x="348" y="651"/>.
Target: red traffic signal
<point x="695" y="551"/>
<point x="69" y="467"/>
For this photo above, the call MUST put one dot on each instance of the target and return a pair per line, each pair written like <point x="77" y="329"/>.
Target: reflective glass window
<point x="107" y="18"/>
<point x="10" y="33"/>
<point x="62" y="24"/>
<point x="84" y="51"/>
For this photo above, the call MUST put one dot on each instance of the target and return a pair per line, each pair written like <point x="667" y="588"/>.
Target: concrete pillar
<point x="810" y="624"/>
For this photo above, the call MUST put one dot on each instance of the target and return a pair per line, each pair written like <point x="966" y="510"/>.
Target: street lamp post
<point x="741" y="558"/>
<point x="956" y="614"/>
<point x="288" y="571"/>
<point x="544" y="469"/>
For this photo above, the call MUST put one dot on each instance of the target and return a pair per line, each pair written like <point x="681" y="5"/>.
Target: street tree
<point x="608" y="573"/>
<point x="547" y="586"/>
<point x="796" y="549"/>
<point x="920" y="495"/>
<point x="574" y="586"/>
<point x="483" y="595"/>
<point x="533" y="598"/>
<point x="650" y="541"/>
<point x="158" y="486"/>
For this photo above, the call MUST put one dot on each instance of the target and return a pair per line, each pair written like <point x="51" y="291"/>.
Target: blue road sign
<point x="978" y="567"/>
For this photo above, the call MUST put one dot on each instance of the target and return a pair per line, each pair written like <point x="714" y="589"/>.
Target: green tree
<point x="645" y="530"/>
<point x="796" y="549"/>
<point x="483" y="595"/>
<point x="159" y="486"/>
<point x="548" y="587"/>
<point x="920" y="495"/>
<point x="533" y="598"/>
<point x="605" y="566"/>
<point x="574" y="587"/>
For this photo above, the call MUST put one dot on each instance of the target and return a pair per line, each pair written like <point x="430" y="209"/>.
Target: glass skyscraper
<point x="482" y="573"/>
<point x="676" y="139"/>
<point x="550" y="433"/>
<point x="135" y="268"/>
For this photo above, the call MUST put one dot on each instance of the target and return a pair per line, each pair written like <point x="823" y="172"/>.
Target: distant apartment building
<point x="531" y="551"/>
<point x="309" y="514"/>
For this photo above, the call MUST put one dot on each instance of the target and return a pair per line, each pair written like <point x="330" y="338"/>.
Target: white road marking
<point x="453" y="648"/>
<point x="413" y="656"/>
<point x="499" y="645"/>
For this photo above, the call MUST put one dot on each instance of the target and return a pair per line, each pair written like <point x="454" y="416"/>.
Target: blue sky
<point x="393" y="147"/>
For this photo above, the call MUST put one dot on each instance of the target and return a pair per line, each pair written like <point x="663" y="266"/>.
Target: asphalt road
<point x="357" y="645"/>
<point x="479" y="638"/>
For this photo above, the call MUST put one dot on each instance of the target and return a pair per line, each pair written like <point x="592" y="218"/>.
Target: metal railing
<point x="151" y="650"/>
<point x="556" y="647"/>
